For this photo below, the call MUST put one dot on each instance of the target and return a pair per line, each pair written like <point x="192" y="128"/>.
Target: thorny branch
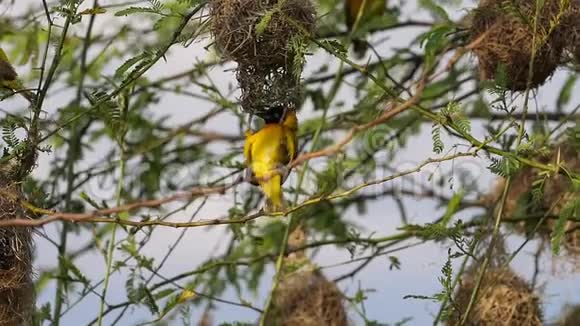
<point x="98" y="216"/>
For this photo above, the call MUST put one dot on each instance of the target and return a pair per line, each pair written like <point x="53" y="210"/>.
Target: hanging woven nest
<point x="575" y="32"/>
<point x="532" y="197"/>
<point x="504" y="299"/>
<point x="264" y="90"/>
<point x="503" y="37"/>
<point x="576" y="37"/>
<point x="260" y="31"/>
<point x="16" y="288"/>
<point x="306" y="298"/>
<point x="557" y="189"/>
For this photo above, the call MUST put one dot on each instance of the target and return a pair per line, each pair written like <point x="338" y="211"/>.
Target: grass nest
<point x="260" y="32"/>
<point x="16" y="289"/>
<point x="530" y="201"/>
<point x="504" y="300"/>
<point x="502" y="34"/>
<point x="576" y="45"/>
<point x="306" y="298"/>
<point x="575" y="36"/>
<point x="264" y="90"/>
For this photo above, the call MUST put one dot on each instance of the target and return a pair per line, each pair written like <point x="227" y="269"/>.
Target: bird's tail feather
<point x="273" y="191"/>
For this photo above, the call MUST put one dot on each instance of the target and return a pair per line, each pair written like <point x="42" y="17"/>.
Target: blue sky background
<point x="421" y="265"/>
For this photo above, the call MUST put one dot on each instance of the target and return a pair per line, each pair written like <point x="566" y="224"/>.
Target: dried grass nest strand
<point x="16" y="288"/>
<point x="235" y="23"/>
<point x="509" y="37"/>
<point x="504" y="300"/>
<point x="307" y="298"/>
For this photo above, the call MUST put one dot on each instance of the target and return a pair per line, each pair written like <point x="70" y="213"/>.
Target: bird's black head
<point x="273" y="115"/>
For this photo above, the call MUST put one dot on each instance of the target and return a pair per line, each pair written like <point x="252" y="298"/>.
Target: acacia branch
<point x="135" y="75"/>
<point x="99" y="216"/>
<point x="387" y="115"/>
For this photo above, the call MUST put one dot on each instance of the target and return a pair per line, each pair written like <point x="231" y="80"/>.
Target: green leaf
<point x="538" y="191"/>
<point x="575" y="185"/>
<point x="133" y="294"/>
<point x="573" y="135"/>
<point x="394" y="263"/>
<point x="454" y="112"/>
<point x="419" y="297"/>
<point x="335" y="47"/>
<point x="452" y="207"/>
<point x="438" y="145"/>
<point x="76" y="274"/>
<point x="569" y="211"/>
<point x="329" y="179"/>
<point x="128" y="64"/>
<point x="434" y="9"/>
<point x="84" y="196"/>
<point x="500" y="78"/>
<point x="163" y="293"/>
<point x="566" y="91"/>
<point x="93" y="11"/>
<point x="171" y="303"/>
<point x="263" y="23"/>
<point x="43" y="280"/>
<point x="9" y="127"/>
<point x="359" y="297"/>
<point x="135" y="10"/>
<point x="42" y="314"/>
<point x="157" y="5"/>
<point x="149" y="300"/>
<point x="166" y="22"/>
<point x="434" y="41"/>
<point x="504" y="166"/>
<point x="299" y="47"/>
<point x="436" y="89"/>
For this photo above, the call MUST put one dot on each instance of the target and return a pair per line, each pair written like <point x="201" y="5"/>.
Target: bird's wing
<point x="291" y="144"/>
<point x="251" y="177"/>
<point x="248" y="148"/>
<point x="290" y="147"/>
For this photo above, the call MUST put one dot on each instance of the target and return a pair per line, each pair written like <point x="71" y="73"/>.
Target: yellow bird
<point x="9" y="78"/>
<point x="366" y="9"/>
<point x="267" y="153"/>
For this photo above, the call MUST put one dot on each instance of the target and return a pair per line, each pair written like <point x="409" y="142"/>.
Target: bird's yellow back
<point x="268" y="152"/>
<point x="268" y="149"/>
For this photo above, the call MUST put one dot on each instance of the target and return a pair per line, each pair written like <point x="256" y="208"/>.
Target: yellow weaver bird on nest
<point x="268" y="152"/>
